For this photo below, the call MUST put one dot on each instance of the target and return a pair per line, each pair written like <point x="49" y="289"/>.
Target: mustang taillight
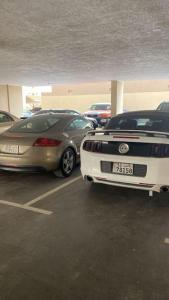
<point x="45" y="142"/>
<point x="135" y="149"/>
<point x="160" y="150"/>
<point x="93" y="146"/>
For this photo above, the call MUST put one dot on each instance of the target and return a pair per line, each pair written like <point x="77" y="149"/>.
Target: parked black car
<point x="163" y="106"/>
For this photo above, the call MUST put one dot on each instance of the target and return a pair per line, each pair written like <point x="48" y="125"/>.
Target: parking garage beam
<point x="116" y="97"/>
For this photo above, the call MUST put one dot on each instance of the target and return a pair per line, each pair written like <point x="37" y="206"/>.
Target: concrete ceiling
<point x="64" y="41"/>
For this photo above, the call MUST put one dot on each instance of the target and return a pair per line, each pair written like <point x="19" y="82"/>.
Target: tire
<point x="67" y="163"/>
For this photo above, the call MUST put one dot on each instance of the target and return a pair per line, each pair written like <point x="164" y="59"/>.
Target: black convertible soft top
<point x="146" y="120"/>
<point x="146" y="113"/>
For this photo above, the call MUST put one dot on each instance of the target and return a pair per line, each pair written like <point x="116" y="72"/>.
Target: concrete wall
<point x="137" y="95"/>
<point x="142" y="86"/>
<point x="93" y="88"/>
<point x="143" y="101"/>
<point x="104" y="87"/>
<point x="11" y="99"/>
<point x="132" y="101"/>
<point x="77" y="102"/>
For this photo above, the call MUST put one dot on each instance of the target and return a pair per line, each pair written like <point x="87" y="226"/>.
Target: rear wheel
<point x="67" y="163"/>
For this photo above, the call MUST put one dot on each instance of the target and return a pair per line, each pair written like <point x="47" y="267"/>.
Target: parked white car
<point x="132" y="152"/>
<point x="6" y="120"/>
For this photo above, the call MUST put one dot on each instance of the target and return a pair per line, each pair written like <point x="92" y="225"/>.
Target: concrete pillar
<point x="11" y="99"/>
<point x="116" y="97"/>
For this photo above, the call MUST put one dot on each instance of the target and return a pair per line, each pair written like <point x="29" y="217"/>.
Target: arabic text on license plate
<point x="123" y="168"/>
<point x="13" y="149"/>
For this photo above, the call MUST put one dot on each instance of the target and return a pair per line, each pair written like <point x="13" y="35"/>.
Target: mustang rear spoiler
<point x="132" y="132"/>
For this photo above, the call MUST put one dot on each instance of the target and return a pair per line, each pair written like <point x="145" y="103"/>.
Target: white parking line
<point x="27" y="206"/>
<point x="24" y="206"/>
<point x="52" y="191"/>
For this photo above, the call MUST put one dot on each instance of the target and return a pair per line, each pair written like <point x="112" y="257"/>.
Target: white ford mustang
<point x="133" y="152"/>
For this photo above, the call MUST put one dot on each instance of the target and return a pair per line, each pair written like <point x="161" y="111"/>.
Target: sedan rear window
<point x="36" y="124"/>
<point x="139" y="122"/>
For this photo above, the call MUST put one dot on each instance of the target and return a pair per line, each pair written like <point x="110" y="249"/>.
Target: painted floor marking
<point x="24" y="206"/>
<point x="52" y="191"/>
<point x="27" y="206"/>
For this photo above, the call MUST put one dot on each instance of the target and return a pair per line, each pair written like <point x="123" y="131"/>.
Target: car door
<point x="5" y="122"/>
<point x="77" y="129"/>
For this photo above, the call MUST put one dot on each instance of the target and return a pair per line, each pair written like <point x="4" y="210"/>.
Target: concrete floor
<point x="98" y="243"/>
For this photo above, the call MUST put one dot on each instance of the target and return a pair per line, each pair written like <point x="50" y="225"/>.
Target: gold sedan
<point x="48" y="142"/>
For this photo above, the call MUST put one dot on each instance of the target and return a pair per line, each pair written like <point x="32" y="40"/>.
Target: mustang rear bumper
<point x="140" y="186"/>
<point x="156" y="176"/>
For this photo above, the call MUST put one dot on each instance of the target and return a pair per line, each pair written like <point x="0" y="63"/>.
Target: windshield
<point x="101" y="107"/>
<point x="164" y="107"/>
<point x="144" y="122"/>
<point x="36" y="124"/>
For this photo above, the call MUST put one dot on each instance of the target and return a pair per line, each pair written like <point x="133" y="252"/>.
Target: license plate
<point x="12" y="149"/>
<point x="122" y="168"/>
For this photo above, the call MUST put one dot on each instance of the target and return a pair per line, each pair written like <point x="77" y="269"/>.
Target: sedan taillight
<point x="45" y="142"/>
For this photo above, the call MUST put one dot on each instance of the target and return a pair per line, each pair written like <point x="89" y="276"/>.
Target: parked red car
<point x="101" y="112"/>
